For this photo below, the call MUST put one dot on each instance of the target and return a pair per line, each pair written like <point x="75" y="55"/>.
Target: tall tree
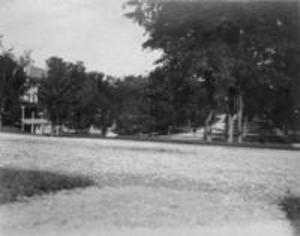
<point x="58" y="90"/>
<point x="12" y="82"/>
<point x="244" y="44"/>
<point x="86" y="102"/>
<point x="133" y="109"/>
<point x="94" y="103"/>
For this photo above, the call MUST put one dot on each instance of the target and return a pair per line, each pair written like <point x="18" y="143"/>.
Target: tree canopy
<point x="235" y="50"/>
<point x="12" y="84"/>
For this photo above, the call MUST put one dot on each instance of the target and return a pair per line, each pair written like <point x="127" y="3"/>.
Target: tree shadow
<point x="291" y="206"/>
<point x="18" y="183"/>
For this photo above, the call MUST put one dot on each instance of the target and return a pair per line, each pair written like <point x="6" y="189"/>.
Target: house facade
<point x="32" y="116"/>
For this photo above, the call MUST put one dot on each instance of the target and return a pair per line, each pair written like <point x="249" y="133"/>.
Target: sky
<point x="93" y="31"/>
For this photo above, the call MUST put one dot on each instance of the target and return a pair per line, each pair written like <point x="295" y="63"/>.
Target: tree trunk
<point x="245" y="127"/>
<point x="209" y="136"/>
<point x="231" y="112"/>
<point x="32" y="125"/>
<point x="104" y="123"/>
<point x="189" y="125"/>
<point x="103" y="130"/>
<point x="1" y="125"/>
<point x="57" y="130"/>
<point x="22" y="118"/>
<point x="52" y="129"/>
<point x="230" y="128"/>
<point x="207" y="128"/>
<point x="240" y="118"/>
<point x="207" y="133"/>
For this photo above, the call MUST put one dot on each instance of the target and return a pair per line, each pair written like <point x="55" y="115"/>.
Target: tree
<point x="94" y="104"/>
<point x="12" y="83"/>
<point x="132" y="115"/>
<point x="242" y="45"/>
<point x="160" y="102"/>
<point x="76" y="98"/>
<point x="58" y="90"/>
<point x="86" y="103"/>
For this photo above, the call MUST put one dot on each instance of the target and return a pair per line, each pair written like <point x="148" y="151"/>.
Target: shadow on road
<point x="291" y="206"/>
<point x="18" y="183"/>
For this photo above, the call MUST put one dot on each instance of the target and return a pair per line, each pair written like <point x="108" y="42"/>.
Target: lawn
<point x="61" y="186"/>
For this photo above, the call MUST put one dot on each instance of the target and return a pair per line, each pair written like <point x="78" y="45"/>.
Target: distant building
<point x="33" y="120"/>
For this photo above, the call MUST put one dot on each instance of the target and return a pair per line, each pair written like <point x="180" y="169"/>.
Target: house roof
<point x="35" y="72"/>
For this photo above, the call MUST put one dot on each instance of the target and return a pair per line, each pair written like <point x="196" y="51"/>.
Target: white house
<point x="32" y="117"/>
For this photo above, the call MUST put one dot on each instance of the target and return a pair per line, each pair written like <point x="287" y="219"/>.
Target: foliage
<point x="94" y="103"/>
<point x="58" y="89"/>
<point x="74" y="97"/>
<point x="85" y="103"/>
<point x="245" y="47"/>
<point x="12" y="85"/>
<point x="133" y="109"/>
<point x="79" y="99"/>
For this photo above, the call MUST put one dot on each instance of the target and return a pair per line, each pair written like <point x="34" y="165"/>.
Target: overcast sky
<point x="92" y="31"/>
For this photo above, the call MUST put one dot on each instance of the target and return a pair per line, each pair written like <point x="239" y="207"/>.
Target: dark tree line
<point x="78" y="99"/>
<point x="75" y="98"/>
